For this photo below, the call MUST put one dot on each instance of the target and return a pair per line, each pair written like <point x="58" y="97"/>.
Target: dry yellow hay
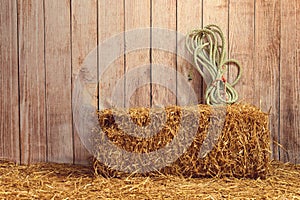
<point x="61" y="181"/>
<point x="241" y="150"/>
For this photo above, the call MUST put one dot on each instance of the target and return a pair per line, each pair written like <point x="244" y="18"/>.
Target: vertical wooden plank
<point x="84" y="40"/>
<point x="110" y="28"/>
<point x="32" y="81"/>
<point x="163" y="16"/>
<point x="266" y="60"/>
<point x="137" y="15"/>
<point x="289" y="81"/>
<point x="189" y="17"/>
<point x="58" y="81"/>
<point x="297" y="85"/>
<point x="9" y="101"/>
<point x="241" y="45"/>
<point x="216" y="12"/>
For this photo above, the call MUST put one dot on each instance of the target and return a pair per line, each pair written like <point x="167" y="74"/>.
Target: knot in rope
<point x="207" y="46"/>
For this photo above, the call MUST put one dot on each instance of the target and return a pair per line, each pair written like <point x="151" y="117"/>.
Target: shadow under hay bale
<point x="241" y="149"/>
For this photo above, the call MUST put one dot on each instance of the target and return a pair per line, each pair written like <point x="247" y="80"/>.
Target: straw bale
<point x="242" y="149"/>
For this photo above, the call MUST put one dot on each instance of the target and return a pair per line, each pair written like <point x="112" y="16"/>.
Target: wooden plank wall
<point x="138" y="15"/>
<point x="58" y="58"/>
<point x="289" y="116"/>
<point x="9" y="94"/>
<point x="32" y="81"/>
<point x="43" y="44"/>
<point x="162" y="96"/>
<point x="84" y="19"/>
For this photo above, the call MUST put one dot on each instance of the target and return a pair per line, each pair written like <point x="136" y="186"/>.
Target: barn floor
<point x="60" y="181"/>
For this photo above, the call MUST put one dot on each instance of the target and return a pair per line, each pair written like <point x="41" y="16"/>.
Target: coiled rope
<point x="208" y="48"/>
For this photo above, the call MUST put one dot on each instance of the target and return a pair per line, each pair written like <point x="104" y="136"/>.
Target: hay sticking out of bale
<point x="61" y="181"/>
<point x="242" y="149"/>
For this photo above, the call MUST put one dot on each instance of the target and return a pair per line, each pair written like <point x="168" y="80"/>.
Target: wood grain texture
<point x="189" y="17"/>
<point x="32" y="81"/>
<point x="266" y="60"/>
<point x="241" y="45"/>
<point x="161" y="84"/>
<point x="9" y="101"/>
<point x="58" y="81"/>
<point x="216" y="12"/>
<point x="110" y="28"/>
<point x="289" y="81"/>
<point x="84" y="40"/>
<point x="137" y="16"/>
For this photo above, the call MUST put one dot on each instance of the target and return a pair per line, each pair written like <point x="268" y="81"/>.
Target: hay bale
<point x="242" y="149"/>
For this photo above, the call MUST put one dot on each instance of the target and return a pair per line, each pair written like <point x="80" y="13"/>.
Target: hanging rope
<point x="208" y="48"/>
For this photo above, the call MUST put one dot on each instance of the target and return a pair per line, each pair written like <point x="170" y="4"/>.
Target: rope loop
<point x="208" y="48"/>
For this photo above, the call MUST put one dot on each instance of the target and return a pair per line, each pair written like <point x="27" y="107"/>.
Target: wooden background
<point x="44" y="42"/>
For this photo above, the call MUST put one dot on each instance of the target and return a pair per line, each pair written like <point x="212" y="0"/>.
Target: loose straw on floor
<point x="61" y="181"/>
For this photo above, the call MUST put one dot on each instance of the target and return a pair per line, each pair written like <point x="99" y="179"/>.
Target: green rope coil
<point x="207" y="45"/>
